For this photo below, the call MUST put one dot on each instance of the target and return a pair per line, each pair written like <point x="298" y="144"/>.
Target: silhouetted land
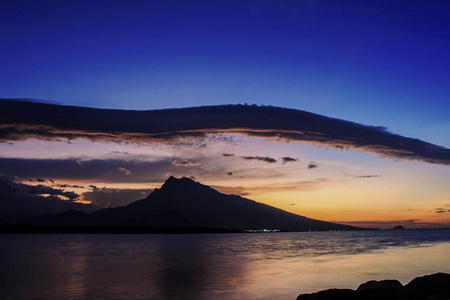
<point x="99" y="229"/>
<point x="180" y="205"/>
<point x="429" y="287"/>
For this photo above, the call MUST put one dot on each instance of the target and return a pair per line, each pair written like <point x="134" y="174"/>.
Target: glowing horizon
<point x="353" y="186"/>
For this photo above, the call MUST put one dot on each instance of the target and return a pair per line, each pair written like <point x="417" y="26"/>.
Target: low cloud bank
<point x="23" y="120"/>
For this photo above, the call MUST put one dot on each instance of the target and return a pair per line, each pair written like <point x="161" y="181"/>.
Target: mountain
<point x="186" y="203"/>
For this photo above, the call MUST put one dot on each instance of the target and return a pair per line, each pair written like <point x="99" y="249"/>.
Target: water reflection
<point x="161" y="267"/>
<point x="206" y="266"/>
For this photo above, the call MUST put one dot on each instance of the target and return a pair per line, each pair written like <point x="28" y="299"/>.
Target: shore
<point x="428" y="287"/>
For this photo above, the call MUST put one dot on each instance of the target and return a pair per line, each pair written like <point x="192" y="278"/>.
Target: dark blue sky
<point x="375" y="62"/>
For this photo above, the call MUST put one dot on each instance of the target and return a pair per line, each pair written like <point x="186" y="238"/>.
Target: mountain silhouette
<point x="185" y="203"/>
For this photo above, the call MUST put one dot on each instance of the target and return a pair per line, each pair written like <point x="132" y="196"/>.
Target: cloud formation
<point x="441" y="210"/>
<point x="312" y="165"/>
<point x="23" y="120"/>
<point x="288" y="159"/>
<point x="18" y="199"/>
<point x="227" y="154"/>
<point x="8" y="185"/>
<point x="124" y="171"/>
<point x="266" y="159"/>
<point x="111" y="197"/>
<point x="184" y="163"/>
<point x="361" y="176"/>
<point x="94" y="170"/>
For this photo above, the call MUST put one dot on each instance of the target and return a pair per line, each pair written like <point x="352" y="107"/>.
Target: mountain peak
<point x="178" y="182"/>
<point x="182" y="202"/>
<point x="183" y="185"/>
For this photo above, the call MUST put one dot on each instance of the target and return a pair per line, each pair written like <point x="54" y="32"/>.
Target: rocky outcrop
<point x="433" y="285"/>
<point x="430" y="287"/>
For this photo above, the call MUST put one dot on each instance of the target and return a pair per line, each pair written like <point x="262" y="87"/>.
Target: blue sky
<point x="382" y="63"/>
<point x="375" y="62"/>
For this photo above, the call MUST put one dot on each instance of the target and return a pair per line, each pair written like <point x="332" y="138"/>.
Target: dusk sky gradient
<point x="373" y="63"/>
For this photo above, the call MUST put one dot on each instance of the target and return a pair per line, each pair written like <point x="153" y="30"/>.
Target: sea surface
<point x="212" y="266"/>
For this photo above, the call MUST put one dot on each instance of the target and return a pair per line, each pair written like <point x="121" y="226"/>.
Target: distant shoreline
<point x="133" y="229"/>
<point x="156" y="230"/>
<point x="128" y="229"/>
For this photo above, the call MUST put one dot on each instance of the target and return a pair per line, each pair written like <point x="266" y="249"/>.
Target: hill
<point x="183" y="203"/>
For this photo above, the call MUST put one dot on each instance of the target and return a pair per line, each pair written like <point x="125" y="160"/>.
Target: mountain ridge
<point x="183" y="202"/>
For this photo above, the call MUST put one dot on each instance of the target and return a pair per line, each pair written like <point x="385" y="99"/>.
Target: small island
<point x="398" y="227"/>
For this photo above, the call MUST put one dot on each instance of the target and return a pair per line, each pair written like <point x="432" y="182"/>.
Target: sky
<point x="381" y="65"/>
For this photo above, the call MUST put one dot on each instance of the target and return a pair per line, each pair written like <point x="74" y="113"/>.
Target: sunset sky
<point x="381" y="65"/>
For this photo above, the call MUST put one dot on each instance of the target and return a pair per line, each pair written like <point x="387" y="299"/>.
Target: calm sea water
<point x="212" y="266"/>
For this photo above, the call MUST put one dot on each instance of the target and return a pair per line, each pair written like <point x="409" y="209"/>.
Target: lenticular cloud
<point x="20" y="120"/>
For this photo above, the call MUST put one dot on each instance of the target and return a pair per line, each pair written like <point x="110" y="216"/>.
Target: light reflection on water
<point x="206" y="266"/>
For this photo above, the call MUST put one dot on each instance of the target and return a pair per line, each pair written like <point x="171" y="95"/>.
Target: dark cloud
<point x="441" y="210"/>
<point x="312" y="165"/>
<point x="288" y="159"/>
<point x="17" y="198"/>
<point x="227" y="154"/>
<point x="24" y="120"/>
<point x="96" y="170"/>
<point x="260" y="158"/>
<point x="8" y="185"/>
<point x="361" y="176"/>
<point x="69" y="186"/>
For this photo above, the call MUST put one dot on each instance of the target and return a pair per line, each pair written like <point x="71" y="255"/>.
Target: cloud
<point x="8" y="185"/>
<point x="361" y="176"/>
<point x="366" y="176"/>
<point x="110" y="197"/>
<point x="288" y="159"/>
<point x="121" y="152"/>
<point x="306" y="185"/>
<point x="441" y="210"/>
<point x="312" y="165"/>
<point x="184" y="163"/>
<point x="90" y="171"/>
<point x="227" y="154"/>
<point x="124" y="171"/>
<point x="16" y="198"/>
<point x="64" y="185"/>
<point x="239" y="191"/>
<point x="23" y="120"/>
<point x="260" y="158"/>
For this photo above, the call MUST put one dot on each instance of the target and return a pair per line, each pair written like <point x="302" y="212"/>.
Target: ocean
<point x="227" y="266"/>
